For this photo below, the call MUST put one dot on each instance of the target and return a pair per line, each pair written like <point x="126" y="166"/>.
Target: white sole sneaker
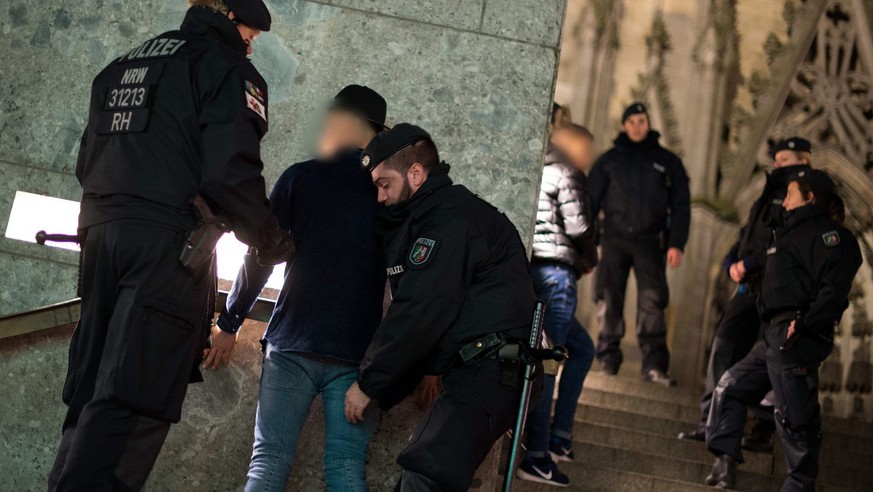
<point x="538" y="479"/>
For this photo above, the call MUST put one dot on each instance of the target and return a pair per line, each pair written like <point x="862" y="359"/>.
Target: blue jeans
<point x="290" y="382"/>
<point x="555" y="284"/>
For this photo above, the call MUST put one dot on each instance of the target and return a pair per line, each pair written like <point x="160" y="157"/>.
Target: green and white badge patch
<point x="421" y="251"/>
<point x="831" y="238"/>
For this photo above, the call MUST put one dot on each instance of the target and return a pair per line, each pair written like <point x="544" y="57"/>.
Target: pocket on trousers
<point x="153" y="374"/>
<point x="282" y="370"/>
<point x="70" y="380"/>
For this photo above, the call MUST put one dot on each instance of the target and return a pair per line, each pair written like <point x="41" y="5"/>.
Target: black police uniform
<point x="807" y="278"/>
<point x="740" y="325"/>
<point x="458" y="272"/>
<point x="180" y="115"/>
<point x="642" y="190"/>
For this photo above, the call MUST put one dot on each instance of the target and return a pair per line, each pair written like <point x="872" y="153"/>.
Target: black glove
<point x="279" y="252"/>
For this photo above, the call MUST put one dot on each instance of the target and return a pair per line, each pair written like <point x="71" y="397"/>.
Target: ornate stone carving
<point x="652" y="86"/>
<point x="831" y="97"/>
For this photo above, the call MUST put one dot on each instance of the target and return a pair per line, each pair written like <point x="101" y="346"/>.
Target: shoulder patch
<point x="831" y="238"/>
<point x="421" y="251"/>
<point x="255" y="100"/>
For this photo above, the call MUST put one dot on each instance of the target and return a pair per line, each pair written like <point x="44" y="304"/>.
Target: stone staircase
<point x="625" y="440"/>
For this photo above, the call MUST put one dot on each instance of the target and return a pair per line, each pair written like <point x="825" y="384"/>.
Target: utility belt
<point x="510" y="353"/>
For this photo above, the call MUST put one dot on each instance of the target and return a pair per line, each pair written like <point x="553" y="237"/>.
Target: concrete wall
<point x="478" y="74"/>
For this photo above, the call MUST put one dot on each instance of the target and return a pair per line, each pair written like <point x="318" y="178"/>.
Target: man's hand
<point x="427" y="392"/>
<point x="356" y="404"/>
<point x="674" y="258"/>
<point x="223" y="344"/>
<point x="738" y="271"/>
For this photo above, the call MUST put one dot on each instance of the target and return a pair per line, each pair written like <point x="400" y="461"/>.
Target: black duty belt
<point x="488" y="345"/>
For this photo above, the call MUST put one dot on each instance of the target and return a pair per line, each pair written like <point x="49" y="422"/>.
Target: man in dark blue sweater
<point x="329" y="306"/>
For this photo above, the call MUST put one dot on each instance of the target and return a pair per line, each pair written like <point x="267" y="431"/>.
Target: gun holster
<point x="199" y="248"/>
<point x="511" y="357"/>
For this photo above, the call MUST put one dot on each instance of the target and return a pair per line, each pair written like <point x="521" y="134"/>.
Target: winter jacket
<point x="563" y="231"/>
<point x="642" y="189"/>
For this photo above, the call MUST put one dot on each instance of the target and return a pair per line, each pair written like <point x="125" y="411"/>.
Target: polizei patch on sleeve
<point x="831" y="238"/>
<point x="421" y="251"/>
<point x="255" y="100"/>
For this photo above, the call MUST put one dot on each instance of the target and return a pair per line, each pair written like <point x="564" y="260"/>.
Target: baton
<point x="42" y="237"/>
<point x="536" y="335"/>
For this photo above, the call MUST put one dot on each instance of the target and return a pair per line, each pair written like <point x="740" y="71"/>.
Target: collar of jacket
<point x="391" y="217"/>
<point x="800" y="215"/>
<point x="204" y="21"/>
<point x="623" y="142"/>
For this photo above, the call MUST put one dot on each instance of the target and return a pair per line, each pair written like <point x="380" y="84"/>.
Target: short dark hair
<point x="824" y="198"/>
<point x="576" y="129"/>
<point x="423" y="152"/>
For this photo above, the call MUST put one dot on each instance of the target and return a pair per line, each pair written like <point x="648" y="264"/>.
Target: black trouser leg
<point x="130" y="358"/>
<point x="794" y="375"/>
<point x="743" y="385"/>
<point x="473" y="411"/>
<point x="652" y="299"/>
<point x="735" y="335"/>
<point x="614" y="268"/>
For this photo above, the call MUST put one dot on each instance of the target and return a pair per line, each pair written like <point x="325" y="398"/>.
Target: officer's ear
<point x="416" y="174"/>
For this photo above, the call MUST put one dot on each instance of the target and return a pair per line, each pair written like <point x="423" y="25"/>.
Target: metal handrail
<point x="68" y="312"/>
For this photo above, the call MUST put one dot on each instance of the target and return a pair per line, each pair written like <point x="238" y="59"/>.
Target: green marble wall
<point x="479" y="74"/>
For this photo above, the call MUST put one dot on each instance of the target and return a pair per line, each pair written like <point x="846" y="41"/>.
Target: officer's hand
<point x="356" y="404"/>
<point x="738" y="271"/>
<point x="223" y="344"/>
<point x="674" y="258"/>
<point x="427" y="392"/>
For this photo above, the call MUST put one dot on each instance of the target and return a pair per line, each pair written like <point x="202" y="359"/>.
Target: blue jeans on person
<point x="290" y="382"/>
<point x="555" y="284"/>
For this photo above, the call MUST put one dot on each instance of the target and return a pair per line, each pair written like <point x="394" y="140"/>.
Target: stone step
<point x="631" y="420"/>
<point x="587" y="477"/>
<point x="839" y="430"/>
<point x="669" y="446"/>
<point x="688" y="471"/>
<point x="636" y="387"/>
<point x="641" y="405"/>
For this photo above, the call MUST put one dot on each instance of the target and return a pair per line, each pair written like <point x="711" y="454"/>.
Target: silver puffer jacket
<point x="564" y="232"/>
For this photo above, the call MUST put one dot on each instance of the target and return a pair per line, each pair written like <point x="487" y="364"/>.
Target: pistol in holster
<point x="199" y="248"/>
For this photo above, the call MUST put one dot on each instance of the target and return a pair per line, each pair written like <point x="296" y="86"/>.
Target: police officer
<point x="740" y="325"/>
<point x="807" y="277"/>
<point x="642" y="190"/>
<point x="461" y="290"/>
<point x="179" y="116"/>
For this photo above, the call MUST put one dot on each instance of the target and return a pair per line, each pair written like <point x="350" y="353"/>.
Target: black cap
<point x="362" y="101"/>
<point x="817" y="178"/>
<point x="635" y="108"/>
<point x="390" y="142"/>
<point x="252" y="13"/>
<point x="794" y="143"/>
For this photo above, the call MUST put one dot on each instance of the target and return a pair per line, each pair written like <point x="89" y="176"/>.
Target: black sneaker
<point x="723" y="474"/>
<point x="561" y="449"/>
<point x="658" y="376"/>
<point x="695" y="435"/>
<point x="542" y="470"/>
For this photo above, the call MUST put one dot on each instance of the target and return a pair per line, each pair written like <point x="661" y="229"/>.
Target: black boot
<point x="760" y="438"/>
<point x="695" y="435"/>
<point x="723" y="474"/>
